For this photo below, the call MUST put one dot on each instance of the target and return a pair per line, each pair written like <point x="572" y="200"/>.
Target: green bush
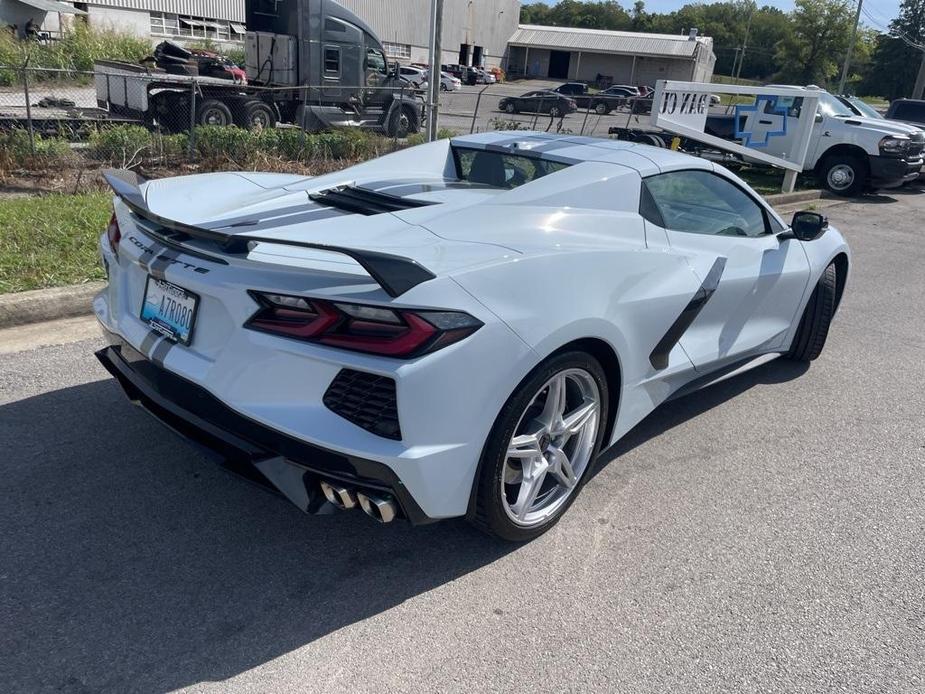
<point x="215" y="142"/>
<point x="16" y="153"/>
<point x="122" y="144"/>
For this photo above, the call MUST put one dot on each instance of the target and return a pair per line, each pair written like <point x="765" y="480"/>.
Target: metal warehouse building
<point x="626" y="57"/>
<point x="475" y="32"/>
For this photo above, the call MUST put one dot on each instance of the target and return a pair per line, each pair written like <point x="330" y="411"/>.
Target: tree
<point x="813" y="50"/>
<point x="894" y="63"/>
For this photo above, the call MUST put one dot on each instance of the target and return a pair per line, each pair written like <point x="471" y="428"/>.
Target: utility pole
<point x="920" y="81"/>
<point x="748" y="27"/>
<point x="436" y="52"/>
<point x="854" y="38"/>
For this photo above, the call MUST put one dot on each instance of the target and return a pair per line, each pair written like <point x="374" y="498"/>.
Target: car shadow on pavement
<point x="133" y="563"/>
<point x="676" y="412"/>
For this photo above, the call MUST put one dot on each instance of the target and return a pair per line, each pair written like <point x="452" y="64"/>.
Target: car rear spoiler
<point x="394" y="273"/>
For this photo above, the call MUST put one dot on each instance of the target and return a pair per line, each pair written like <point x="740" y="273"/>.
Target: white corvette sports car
<point x="454" y="329"/>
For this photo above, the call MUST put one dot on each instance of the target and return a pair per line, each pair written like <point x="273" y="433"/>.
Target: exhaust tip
<point x="380" y="508"/>
<point x="342" y="497"/>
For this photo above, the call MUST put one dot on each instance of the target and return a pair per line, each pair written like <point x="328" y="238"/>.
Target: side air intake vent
<point x="365" y="399"/>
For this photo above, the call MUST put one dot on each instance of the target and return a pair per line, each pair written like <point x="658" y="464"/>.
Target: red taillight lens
<point x="114" y="234"/>
<point x="400" y="333"/>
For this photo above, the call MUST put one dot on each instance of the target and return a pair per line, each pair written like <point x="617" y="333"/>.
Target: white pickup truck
<point x="848" y="154"/>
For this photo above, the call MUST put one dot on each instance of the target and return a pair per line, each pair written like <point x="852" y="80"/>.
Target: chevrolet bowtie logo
<point x="767" y="120"/>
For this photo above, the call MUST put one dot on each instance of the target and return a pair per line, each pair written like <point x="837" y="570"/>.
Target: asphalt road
<point x="766" y="535"/>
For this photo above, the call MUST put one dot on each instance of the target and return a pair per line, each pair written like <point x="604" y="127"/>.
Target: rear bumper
<point x="288" y="465"/>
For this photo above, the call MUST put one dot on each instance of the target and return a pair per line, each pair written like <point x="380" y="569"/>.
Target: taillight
<point x="389" y="332"/>
<point x="114" y="234"/>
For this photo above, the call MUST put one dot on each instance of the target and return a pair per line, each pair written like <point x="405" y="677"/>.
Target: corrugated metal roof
<point x="213" y="9"/>
<point x="600" y="41"/>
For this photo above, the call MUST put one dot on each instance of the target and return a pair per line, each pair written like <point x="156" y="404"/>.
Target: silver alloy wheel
<point x="840" y="177"/>
<point x="551" y="447"/>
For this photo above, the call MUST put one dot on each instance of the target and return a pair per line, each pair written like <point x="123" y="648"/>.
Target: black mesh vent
<point x="365" y="399"/>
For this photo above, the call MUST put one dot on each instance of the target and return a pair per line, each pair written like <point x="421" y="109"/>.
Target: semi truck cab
<point x="332" y="63"/>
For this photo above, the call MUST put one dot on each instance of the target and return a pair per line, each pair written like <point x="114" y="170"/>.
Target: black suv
<point x="911" y="111"/>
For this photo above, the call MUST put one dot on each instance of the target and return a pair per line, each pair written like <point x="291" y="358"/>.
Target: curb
<point x="38" y="305"/>
<point x="789" y="198"/>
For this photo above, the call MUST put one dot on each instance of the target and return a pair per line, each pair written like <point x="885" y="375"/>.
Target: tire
<point x="402" y="122"/>
<point x="601" y="109"/>
<point x="814" y="325"/>
<point x="444" y="88"/>
<point x="213" y="112"/>
<point x="257" y="114"/>
<point x="510" y="108"/>
<point x="501" y="505"/>
<point x="844" y="174"/>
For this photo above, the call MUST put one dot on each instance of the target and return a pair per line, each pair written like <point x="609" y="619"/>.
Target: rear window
<point x="501" y="170"/>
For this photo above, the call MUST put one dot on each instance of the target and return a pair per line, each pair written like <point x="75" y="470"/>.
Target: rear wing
<point x="394" y="273"/>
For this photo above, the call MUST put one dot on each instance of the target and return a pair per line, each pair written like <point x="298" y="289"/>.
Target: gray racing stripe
<point x="254" y="217"/>
<point x="145" y="258"/>
<point x="159" y="353"/>
<point x="150" y="339"/>
<point x="159" y="265"/>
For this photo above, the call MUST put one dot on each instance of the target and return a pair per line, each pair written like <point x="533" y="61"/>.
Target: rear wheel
<point x="601" y="109"/>
<point x="402" y="122"/>
<point x="258" y="115"/>
<point x="844" y="174"/>
<point x="817" y="316"/>
<point x="213" y="112"/>
<point x="555" y="112"/>
<point x="509" y="107"/>
<point x="541" y="448"/>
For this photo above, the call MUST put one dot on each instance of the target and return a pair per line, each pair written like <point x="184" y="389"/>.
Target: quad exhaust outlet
<point x="380" y="507"/>
<point x="342" y="497"/>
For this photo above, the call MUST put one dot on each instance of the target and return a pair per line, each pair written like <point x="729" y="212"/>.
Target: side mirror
<point x="818" y="117"/>
<point x="808" y="226"/>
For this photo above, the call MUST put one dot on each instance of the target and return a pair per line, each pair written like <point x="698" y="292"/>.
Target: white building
<point x="625" y="57"/>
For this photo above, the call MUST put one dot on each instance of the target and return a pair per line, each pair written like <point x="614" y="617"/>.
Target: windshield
<point x="866" y="109"/>
<point x="830" y="106"/>
<point x="501" y="170"/>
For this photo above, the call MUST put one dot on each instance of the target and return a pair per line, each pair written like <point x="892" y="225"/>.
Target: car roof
<point x="573" y="149"/>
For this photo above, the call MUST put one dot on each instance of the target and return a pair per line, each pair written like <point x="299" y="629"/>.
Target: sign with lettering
<point x="764" y="126"/>
<point x="685" y="108"/>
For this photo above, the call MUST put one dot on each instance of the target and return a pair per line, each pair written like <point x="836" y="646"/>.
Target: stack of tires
<point x="175" y="60"/>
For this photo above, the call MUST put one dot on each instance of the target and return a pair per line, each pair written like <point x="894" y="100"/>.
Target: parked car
<point x="607" y="100"/>
<point x="859" y="107"/>
<point x="415" y="75"/>
<point x="484" y="76"/>
<point x="572" y="89"/>
<point x="911" y="111"/>
<point x="539" y="101"/>
<point x="455" y="362"/>
<point x="448" y="83"/>
<point x="848" y="153"/>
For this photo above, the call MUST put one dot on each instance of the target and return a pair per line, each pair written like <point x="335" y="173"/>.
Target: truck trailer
<point x="310" y="63"/>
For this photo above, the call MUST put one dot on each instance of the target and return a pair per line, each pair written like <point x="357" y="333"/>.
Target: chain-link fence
<point x="125" y="115"/>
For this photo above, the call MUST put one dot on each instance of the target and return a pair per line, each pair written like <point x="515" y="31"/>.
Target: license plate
<point x="169" y="309"/>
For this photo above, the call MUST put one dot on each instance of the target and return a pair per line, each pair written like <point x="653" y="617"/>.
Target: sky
<point x="877" y="13"/>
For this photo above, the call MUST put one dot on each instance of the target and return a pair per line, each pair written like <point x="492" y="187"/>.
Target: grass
<point x="50" y="240"/>
<point x="768" y="181"/>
